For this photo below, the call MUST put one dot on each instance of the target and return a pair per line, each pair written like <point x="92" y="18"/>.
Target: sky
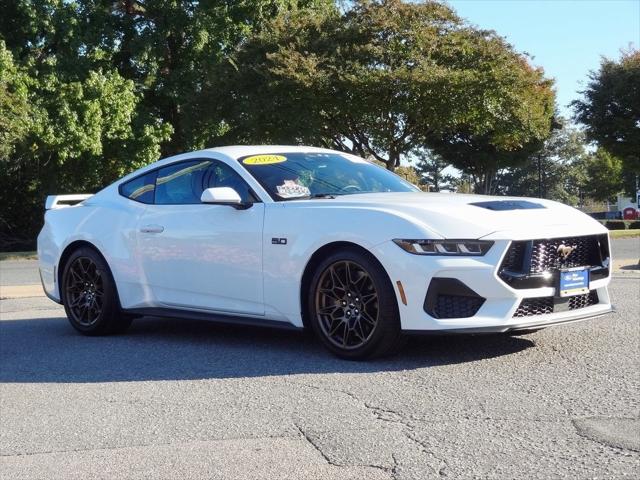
<point x="565" y="37"/>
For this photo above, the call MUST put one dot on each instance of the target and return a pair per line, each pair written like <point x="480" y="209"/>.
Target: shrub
<point x="634" y="225"/>
<point x="615" y="224"/>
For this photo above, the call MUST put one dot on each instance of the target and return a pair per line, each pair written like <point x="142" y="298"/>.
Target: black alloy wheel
<point x="352" y="306"/>
<point x="84" y="291"/>
<point x="89" y="295"/>
<point x="346" y="305"/>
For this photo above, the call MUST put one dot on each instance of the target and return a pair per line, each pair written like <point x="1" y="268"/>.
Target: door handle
<point x="152" y="229"/>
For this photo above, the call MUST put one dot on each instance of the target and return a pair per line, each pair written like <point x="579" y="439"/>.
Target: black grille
<point x="545" y="256"/>
<point x="535" y="263"/>
<point x="514" y="257"/>
<point x="534" y="306"/>
<point x="454" y="306"/>
<point x="582" y="301"/>
<point x="543" y="305"/>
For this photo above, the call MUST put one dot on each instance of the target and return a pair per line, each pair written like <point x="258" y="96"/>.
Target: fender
<point x="303" y="227"/>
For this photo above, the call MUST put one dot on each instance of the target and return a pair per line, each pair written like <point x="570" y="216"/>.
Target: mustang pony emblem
<point x="565" y="250"/>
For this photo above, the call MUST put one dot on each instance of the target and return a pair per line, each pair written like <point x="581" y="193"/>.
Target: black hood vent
<point x="502" y="205"/>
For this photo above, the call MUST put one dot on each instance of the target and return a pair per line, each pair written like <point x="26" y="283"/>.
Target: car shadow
<point x="635" y="266"/>
<point x="49" y="350"/>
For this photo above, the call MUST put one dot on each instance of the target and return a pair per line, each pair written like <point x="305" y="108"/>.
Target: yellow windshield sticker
<point x="264" y="159"/>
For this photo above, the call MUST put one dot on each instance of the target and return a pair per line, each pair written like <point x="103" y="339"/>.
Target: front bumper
<point x="543" y="321"/>
<point x="480" y="274"/>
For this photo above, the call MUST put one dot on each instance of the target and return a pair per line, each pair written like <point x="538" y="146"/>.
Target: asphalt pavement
<point x="182" y="399"/>
<point x="626" y="248"/>
<point x="19" y="272"/>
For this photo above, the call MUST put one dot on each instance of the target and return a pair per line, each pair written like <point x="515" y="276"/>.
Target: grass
<point x="624" y="233"/>
<point x="18" y="256"/>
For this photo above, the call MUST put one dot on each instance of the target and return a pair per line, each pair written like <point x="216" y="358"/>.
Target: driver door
<point x="202" y="256"/>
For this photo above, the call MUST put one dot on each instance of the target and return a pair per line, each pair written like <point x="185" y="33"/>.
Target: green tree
<point x="92" y="89"/>
<point x="610" y="109"/>
<point x="557" y="171"/>
<point x="604" y="176"/>
<point x="383" y="78"/>
<point x="167" y="48"/>
<point x="14" y="105"/>
<point x="409" y="173"/>
<point x="430" y="169"/>
<point x="15" y="123"/>
<point x="81" y="135"/>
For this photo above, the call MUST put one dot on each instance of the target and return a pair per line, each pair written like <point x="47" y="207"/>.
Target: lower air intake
<point x="582" y="301"/>
<point x="534" y="306"/>
<point x="450" y="298"/>
<point x="543" y="305"/>
<point x="453" y="306"/>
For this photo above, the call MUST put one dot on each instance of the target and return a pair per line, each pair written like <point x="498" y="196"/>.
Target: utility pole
<point x="539" y="177"/>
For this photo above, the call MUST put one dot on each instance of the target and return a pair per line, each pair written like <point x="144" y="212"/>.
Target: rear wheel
<point x="352" y="306"/>
<point x="89" y="295"/>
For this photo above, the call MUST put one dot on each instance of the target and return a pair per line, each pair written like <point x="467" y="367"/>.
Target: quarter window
<point x="140" y="189"/>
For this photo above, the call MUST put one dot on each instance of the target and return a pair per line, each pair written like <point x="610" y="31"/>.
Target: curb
<point x="20" y="291"/>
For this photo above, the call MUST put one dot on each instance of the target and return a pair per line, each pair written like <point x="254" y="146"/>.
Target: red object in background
<point x="629" y="213"/>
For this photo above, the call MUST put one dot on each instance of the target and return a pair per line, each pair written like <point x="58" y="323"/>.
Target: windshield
<point x="290" y="176"/>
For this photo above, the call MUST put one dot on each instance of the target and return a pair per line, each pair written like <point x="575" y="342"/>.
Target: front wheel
<point x="89" y="295"/>
<point x="352" y="306"/>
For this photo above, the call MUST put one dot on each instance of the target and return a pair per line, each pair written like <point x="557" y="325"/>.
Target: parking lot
<point x="184" y="399"/>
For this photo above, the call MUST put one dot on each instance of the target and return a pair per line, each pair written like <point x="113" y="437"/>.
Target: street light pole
<point x="539" y="177"/>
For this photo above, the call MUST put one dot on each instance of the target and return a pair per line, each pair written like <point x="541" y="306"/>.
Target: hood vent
<point x="503" y="205"/>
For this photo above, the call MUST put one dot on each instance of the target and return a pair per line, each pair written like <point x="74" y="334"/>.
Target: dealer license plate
<point x="573" y="281"/>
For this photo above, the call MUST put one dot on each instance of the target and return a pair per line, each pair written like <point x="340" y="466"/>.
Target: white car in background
<point x="309" y="237"/>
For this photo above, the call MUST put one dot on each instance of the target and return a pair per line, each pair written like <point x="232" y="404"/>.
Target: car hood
<point x="453" y="215"/>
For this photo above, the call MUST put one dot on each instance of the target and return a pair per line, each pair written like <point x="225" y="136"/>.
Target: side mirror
<point x="223" y="196"/>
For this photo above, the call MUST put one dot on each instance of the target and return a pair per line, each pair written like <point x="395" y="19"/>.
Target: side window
<point x="181" y="183"/>
<point x="221" y="175"/>
<point x="140" y="189"/>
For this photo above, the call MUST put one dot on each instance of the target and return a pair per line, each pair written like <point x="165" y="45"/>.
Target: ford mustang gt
<point x="312" y="238"/>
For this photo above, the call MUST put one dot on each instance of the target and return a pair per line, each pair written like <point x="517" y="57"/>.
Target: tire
<point x="90" y="296"/>
<point x="351" y="306"/>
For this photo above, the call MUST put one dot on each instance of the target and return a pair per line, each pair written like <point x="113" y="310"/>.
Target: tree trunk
<point x="393" y="161"/>
<point x="486" y="182"/>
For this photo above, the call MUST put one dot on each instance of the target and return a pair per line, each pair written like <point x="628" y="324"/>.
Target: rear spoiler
<point x="62" y="201"/>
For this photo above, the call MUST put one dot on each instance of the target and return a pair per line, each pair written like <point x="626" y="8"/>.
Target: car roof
<point x="238" y="151"/>
<point x="230" y="152"/>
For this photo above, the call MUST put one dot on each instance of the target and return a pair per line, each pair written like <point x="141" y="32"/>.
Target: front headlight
<point x="445" y="247"/>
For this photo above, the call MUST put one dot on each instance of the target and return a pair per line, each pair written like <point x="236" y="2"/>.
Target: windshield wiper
<point x="312" y="196"/>
<point x="322" y="195"/>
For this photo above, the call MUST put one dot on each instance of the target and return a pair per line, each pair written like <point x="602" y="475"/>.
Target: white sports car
<point x="308" y="237"/>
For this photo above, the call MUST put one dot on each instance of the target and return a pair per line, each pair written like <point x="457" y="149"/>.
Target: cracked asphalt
<point x="184" y="399"/>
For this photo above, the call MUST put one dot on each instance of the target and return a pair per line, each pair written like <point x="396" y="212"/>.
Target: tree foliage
<point x="14" y="106"/>
<point x="430" y="169"/>
<point x="557" y="171"/>
<point x="385" y="77"/>
<point x="610" y="109"/>
<point x="566" y="171"/>
<point x="92" y="89"/>
<point x="604" y="175"/>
